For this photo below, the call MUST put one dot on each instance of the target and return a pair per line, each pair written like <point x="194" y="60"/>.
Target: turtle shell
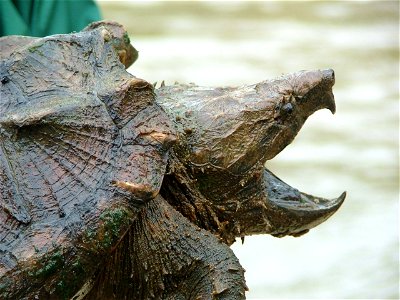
<point x="83" y="146"/>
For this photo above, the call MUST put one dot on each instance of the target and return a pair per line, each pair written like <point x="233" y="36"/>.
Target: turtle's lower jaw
<point x="291" y="212"/>
<point x="271" y="206"/>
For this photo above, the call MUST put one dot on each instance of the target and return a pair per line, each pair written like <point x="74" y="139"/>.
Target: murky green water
<point x="354" y="254"/>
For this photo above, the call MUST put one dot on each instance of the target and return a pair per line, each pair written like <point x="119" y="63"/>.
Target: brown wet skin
<point x="111" y="189"/>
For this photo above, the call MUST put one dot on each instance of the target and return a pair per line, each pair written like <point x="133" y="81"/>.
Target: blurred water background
<point x="355" y="254"/>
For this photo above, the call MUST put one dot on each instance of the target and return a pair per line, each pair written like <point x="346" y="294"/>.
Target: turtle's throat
<point x="182" y="193"/>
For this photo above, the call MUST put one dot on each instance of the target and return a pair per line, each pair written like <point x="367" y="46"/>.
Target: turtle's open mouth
<point x="298" y="212"/>
<point x="225" y="137"/>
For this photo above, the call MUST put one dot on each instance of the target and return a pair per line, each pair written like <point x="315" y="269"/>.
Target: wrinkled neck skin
<point x="229" y="206"/>
<point x="216" y="174"/>
<point x="228" y="215"/>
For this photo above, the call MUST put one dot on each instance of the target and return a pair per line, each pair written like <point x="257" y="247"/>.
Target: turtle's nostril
<point x="287" y="108"/>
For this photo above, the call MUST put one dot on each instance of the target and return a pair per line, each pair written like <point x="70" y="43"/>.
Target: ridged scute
<point x="77" y="132"/>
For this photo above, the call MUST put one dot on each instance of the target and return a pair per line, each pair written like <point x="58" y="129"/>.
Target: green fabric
<point x="46" y="17"/>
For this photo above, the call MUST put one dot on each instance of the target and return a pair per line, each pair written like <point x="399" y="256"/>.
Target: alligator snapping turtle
<point x="112" y="189"/>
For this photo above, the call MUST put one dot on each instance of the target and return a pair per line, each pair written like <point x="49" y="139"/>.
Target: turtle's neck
<point x="217" y="206"/>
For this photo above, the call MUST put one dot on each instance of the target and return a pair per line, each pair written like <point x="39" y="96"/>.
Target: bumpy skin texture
<point x="110" y="189"/>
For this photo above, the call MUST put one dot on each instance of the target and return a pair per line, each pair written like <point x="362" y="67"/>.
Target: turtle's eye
<point x="282" y="111"/>
<point x="287" y="108"/>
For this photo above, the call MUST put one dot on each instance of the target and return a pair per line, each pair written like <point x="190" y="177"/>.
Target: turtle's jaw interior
<point x="298" y="212"/>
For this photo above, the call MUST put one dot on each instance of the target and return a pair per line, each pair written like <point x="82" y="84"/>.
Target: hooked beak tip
<point x="332" y="107"/>
<point x="328" y="79"/>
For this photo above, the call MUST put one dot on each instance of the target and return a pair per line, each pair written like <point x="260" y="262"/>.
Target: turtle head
<point x="228" y="134"/>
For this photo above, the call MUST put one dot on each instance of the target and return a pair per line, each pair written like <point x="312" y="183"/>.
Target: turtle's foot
<point x="164" y="256"/>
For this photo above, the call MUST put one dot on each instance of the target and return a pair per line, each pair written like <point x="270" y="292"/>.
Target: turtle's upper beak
<point x="295" y="96"/>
